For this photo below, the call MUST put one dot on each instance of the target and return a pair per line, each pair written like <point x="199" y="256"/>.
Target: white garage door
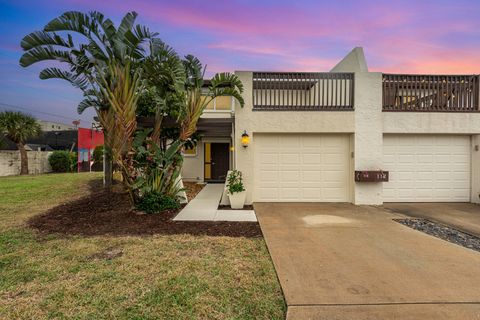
<point x="301" y="167"/>
<point x="427" y="168"/>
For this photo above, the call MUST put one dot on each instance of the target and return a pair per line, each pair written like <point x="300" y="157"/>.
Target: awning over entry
<point x="207" y="127"/>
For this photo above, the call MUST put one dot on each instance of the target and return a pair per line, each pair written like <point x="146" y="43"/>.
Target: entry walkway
<point x="340" y="261"/>
<point x="204" y="207"/>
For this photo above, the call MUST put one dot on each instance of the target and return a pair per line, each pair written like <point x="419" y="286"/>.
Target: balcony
<point x="221" y="104"/>
<point x="431" y="93"/>
<point x="303" y="91"/>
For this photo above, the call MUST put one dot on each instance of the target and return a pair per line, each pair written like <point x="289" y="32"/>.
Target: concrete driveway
<point x="340" y="261"/>
<point x="462" y="216"/>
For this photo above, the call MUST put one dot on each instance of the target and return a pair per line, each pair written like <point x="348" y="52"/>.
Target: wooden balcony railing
<point x="303" y="91"/>
<point x="431" y="93"/>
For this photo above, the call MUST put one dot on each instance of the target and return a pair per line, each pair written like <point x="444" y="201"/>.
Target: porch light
<point x="245" y="139"/>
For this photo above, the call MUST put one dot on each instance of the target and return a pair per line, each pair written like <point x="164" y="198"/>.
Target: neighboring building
<point x="310" y="132"/>
<point x="47" y="126"/>
<point x="88" y="139"/>
<point x="48" y="141"/>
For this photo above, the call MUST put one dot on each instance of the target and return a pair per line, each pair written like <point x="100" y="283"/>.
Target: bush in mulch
<point x="102" y="213"/>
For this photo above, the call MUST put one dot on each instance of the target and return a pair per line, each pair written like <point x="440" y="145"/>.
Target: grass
<point x="154" y="277"/>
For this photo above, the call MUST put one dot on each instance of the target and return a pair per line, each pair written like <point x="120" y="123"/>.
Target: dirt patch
<point x="101" y="213"/>
<point x="227" y="207"/>
<point x="192" y="189"/>
<point x="107" y="254"/>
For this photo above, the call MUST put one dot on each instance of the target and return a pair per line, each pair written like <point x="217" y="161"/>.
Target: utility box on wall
<point x="371" y="176"/>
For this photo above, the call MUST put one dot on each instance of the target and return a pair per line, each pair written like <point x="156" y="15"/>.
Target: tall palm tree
<point x="19" y="127"/>
<point x="93" y="53"/>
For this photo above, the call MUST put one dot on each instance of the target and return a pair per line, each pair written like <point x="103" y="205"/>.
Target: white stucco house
<point x="310" y="132"/>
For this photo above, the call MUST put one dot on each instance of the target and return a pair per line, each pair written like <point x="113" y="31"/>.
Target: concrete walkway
<point x="340" y="261"/>
<point x="204" y="207"/>
<point x="462" y="216"/>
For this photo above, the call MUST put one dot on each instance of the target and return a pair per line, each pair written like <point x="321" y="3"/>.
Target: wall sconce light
<point x="245" y="139"/>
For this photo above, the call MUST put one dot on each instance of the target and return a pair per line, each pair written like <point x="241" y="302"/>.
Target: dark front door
<point x="219" y="161"/>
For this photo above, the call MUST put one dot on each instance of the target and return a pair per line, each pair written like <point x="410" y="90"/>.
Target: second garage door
<point x="427" y="168"/>
<point x="301" y="167"/>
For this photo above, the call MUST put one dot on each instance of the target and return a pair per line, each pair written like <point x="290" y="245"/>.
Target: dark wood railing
<point x="303" y="91"/>
<point x="431" y="93"/>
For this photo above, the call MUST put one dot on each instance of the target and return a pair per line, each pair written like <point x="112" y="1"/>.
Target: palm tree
<point x="222" y="84"/>
<point x="19" y="127"/>
<point x="94" y="53"/>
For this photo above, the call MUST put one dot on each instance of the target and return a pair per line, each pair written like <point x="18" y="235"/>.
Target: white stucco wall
<point x="37" y="162"/>
<point x="431" y="122"/>
<point x="192" y="169"/>
<point x="475" y="163"/>
<point x="368" y="139"/>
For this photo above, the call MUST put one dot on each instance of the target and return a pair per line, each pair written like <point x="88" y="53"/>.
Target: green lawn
<point x="156" y="277"/>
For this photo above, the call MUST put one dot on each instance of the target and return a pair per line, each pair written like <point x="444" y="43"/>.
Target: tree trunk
<point x="23" y="159"/>
<point x="107" y="168"/>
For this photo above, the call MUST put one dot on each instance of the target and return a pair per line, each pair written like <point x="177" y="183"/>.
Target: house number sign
<point x="371" y="176"/>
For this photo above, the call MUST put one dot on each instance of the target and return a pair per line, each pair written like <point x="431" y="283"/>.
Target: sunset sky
<point x="397" y="36"/>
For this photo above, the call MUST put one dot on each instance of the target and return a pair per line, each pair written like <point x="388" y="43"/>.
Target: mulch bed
<point x="192" y="189"/>
<point x="101" y="213"/>
<point x="443" y="232"/>
<point x="227" y="207"/>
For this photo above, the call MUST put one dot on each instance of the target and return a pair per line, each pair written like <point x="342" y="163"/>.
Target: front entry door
<point x="218" y="161"/>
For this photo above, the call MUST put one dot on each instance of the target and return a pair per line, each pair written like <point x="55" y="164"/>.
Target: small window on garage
<point x="190" y="151"/>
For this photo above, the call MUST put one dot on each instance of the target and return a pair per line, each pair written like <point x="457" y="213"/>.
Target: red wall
<point x="88" y="139"/>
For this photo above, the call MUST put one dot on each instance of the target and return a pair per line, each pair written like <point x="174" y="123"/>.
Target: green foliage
<point x="154" y="202"/>
<point x="148" y="103"/>
<point x="235" y="182"/>
<point x="63" y="161"/>
<point x="126" y="71"/>
<point x="3" y="142"/>
<point x="18" y="126"/>
<point x="157" y="170"/>
<point x="73" y="161"/>
<point x="97" y="155"/>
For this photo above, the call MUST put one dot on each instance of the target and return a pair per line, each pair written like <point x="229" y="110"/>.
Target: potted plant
<point x="236" y="190"/>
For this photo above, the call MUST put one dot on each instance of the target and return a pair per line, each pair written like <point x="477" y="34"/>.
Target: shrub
<point x="155" y="202"/>
<point x="63" y="161"/>
<point x="73" y="161"/>
<point x="235" y="182"/>
<point x="97" y="157"/>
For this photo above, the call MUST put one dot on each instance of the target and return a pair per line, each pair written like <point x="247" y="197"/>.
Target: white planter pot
<point x="237" y="200"/>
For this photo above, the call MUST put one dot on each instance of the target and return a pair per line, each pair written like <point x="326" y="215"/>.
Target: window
<point x="190" y="151"/>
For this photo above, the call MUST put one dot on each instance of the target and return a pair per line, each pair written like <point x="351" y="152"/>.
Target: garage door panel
<point x="311" y="176"/>
<point x="311" y="159"/>
<point x="427" y="168"/>
<point x="289" y="176"/>
<point x="309" y="167"/>
<point x="269" y="158"/>
<point x="290" y="193"/>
